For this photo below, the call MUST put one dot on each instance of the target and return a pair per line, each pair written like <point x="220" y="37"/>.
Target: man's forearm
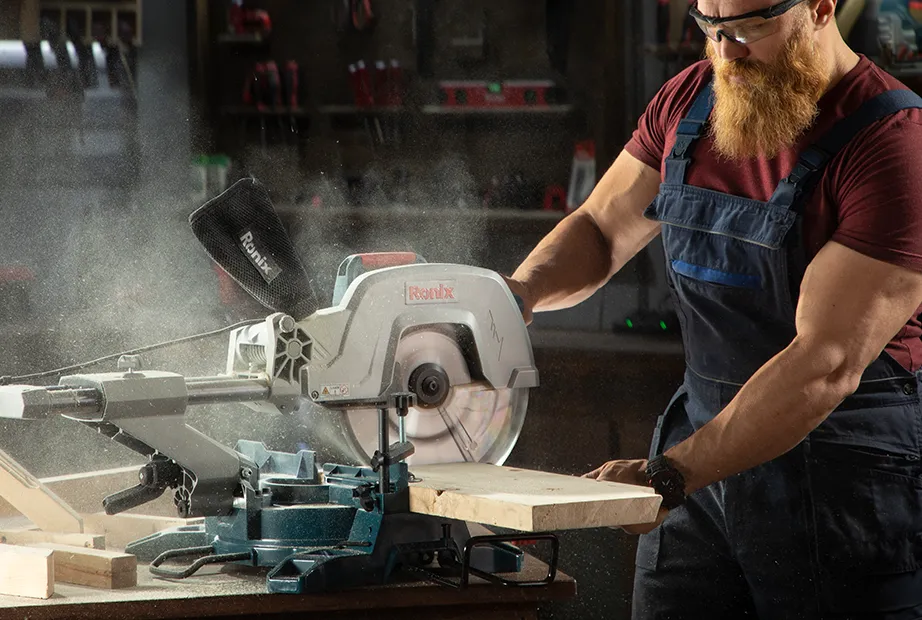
<point x="568" y="265"/>
<point x="776" y="409"/>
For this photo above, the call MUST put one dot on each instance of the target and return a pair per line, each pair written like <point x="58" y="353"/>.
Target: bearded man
<point x="783" y="175"/>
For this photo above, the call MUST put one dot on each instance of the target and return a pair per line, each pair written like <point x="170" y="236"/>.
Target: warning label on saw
<point x="334" y="390"/>
<point x="438" y="292"/>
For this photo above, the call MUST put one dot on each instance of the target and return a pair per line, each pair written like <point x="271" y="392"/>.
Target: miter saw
<point x="437" y="354"/>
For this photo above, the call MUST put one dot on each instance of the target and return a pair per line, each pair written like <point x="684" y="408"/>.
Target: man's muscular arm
<point x="591" y="244"/>
<point x="850" y="307"/>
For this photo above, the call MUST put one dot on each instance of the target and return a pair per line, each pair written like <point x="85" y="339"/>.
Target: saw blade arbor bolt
<point x="430" y="384"/>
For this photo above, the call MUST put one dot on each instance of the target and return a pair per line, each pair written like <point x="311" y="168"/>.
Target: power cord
<point x="169" y="343"/>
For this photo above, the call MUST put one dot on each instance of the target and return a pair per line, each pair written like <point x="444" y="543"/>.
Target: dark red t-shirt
<point x="870" y="196"/>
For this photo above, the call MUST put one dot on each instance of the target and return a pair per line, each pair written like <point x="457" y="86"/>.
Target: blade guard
<point x="354" y="343"/>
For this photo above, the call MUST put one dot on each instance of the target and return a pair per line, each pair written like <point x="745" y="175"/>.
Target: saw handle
<point x="130" y="498"/>
<point x="154" y="478"/>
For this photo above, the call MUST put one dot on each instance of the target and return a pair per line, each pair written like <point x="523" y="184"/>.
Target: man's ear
<point x="823" y="12"/>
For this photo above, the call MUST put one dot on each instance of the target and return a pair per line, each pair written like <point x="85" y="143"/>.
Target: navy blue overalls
<point x="833" y="528"/>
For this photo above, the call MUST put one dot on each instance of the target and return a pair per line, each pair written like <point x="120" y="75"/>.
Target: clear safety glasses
<point x="746" y="28"/>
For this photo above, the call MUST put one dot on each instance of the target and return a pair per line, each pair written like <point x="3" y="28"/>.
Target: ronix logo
<point x="263" y="262"/>
<point x="431" y="293"/>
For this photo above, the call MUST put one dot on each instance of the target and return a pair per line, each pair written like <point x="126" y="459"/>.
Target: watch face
<point x="667" y="481"/>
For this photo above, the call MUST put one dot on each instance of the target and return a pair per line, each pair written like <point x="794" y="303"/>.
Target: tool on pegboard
<point x="256" y="86"/>
<point x="359" y="80"/>
<point x="291" y="84"/>
<point x="245" y="20"/>
<point x="356" y="16"/>
<point x="582" y="174"/>
<point x="499" y="94"/>
<point x="555" y="198"/>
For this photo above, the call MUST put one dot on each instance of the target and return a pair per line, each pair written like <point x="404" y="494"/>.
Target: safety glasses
<point x="746" y="28"/>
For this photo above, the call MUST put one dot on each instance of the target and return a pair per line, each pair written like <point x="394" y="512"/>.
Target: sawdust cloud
<point x="115" y="271"/>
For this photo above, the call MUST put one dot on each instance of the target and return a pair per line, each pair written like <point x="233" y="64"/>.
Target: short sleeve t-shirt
<point x="869" y="198"/>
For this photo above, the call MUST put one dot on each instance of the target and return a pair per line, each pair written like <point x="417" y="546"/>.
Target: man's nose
<point x="728" y="49"/>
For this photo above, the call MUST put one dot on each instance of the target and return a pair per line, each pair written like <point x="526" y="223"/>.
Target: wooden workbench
<point x="240" y="593"/>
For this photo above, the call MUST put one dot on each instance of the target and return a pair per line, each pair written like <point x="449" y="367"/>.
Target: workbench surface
<point x="240" y="592"/>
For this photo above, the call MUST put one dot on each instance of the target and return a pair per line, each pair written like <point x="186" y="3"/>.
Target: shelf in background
<point x="498" y="110"/>
<point x="345" y="109"/>
<point x="909" y="70"/>
<point x="499" y="221"/>
<point x="401" y="212"/>
<point x="249" y="110"/>
<point x="247" y="38"/>
<point x="348" y="110"/>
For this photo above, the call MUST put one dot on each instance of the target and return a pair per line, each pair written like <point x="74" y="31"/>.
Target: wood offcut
<point x="93" y="567"/>
<point x="25" y="571"/>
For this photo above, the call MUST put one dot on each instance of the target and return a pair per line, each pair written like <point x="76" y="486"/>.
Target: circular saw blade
<point x="474" y="423"/>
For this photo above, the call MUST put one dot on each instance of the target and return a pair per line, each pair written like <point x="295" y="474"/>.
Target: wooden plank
<point x="35" y="501"/>
<point x="527" y="500"/>
<point x="25" y="571"/>
<point x="93" y="567"/>
<point x="32" y="537"/>
<point x="122" y="529"/>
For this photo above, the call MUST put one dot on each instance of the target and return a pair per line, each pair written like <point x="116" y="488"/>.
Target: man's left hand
<point x="628" y="472"/>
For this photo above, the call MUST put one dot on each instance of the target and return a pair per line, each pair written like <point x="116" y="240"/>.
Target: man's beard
<point x="773" y="105"/>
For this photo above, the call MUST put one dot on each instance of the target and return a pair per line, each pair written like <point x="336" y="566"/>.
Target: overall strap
<point x="814" y="158"/>
<point x="687" y="134"/>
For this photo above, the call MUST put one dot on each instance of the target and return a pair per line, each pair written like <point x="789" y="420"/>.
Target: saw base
<point x="321" y="535"/>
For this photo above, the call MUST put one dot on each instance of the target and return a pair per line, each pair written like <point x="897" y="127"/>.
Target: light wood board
<point x="527" y="500"/>
<point x="32" y="537"/>
<point x="34" y="500"/>
<point x="25" y="571"/>
<point x="93" y="567"/>
<point x="122" y="529"/>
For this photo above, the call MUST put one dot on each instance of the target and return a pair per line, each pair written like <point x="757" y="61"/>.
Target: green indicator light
<point x="662" y="325"/>
<point x="629" y="323"/>
<point x="495" y="87"/>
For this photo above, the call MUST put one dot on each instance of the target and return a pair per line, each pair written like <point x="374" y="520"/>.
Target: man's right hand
<point x="518" y="289"/>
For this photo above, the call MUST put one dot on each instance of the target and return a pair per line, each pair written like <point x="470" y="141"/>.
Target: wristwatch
<point x="667" y="481"/>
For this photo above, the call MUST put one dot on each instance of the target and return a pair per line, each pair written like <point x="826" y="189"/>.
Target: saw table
<point x="240" y="593"/>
